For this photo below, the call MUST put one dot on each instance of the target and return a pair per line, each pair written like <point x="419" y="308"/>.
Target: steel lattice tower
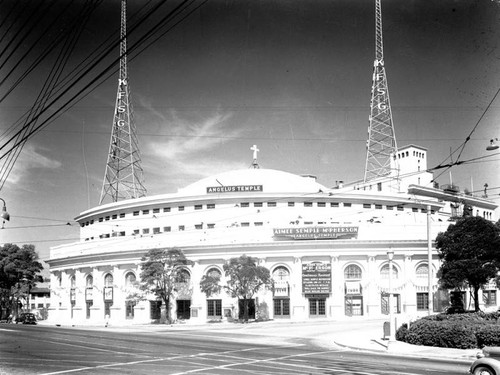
<point x="381" y="144"/>
<point x="123" y="178"/>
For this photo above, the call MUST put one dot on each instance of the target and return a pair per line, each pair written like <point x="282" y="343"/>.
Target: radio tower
<point x="123" y="178"/>
<point x="381" y="144"/>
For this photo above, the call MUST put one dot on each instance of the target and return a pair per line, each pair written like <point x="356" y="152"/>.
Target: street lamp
<point x="5" y="215"/>
<point x="493" y="145"/>
<point x="390" y="256"/>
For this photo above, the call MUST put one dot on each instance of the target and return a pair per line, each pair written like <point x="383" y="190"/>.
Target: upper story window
<point x="210" y="206"/>
<point x="321" y="204"/>
<point x="89" y="281"/>
<point x="352" y="271"/>
<point x="334" y="204"/>
<point x="114" y="216"/>
<point x="308" y="204"/>
<point x="245" y="204"/>
<point x="156" y="210"/>
<point x="166" y="209"/>
<point x="198" y="206"/>
<point x="108" y="280"/>
<point x="136" y="213"/>
<point x="367" y="205"/>
<point x="281" y="273"/>
<point x="422" y="271"/>
<point x="271" y="204"/>
<point x="183" y="276"/>
<point x="181" y="208"/>
<point x="130" y="279"/>
<point x="384" y="272"/>
<point x="257" y="204"/>
<point x="145" y="212"/>
<point x="122" y="215"/>
<point x="378" y="206"/>
<point x="347" y="204"/>
<point x="291" y="204"/>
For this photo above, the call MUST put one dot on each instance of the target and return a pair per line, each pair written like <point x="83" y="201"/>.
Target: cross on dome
<point x="255" y="151"/>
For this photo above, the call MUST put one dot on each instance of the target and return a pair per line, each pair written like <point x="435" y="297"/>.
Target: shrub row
<point x="462" y="331"/>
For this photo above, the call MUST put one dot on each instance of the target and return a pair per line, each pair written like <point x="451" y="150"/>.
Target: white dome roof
<point x="271" y="181"/>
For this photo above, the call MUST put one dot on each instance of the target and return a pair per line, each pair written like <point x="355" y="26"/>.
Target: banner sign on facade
<point x="315" y="233"/>
<point x="235" y="189"/>
<point x="316" y="278"/>
<point x="108" y="293"/>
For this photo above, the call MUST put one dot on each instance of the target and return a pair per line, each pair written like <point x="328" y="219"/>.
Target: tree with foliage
<point x="244" y="279"/>
<point x="470" y="254"/>
<point x="160" y="270"/>
<point x="19" y="272"/>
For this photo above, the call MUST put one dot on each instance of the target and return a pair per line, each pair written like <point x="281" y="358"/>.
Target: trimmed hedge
<point x="461" y="331"/>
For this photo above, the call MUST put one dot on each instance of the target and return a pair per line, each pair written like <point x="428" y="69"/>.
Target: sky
<point x="292" y="77"/>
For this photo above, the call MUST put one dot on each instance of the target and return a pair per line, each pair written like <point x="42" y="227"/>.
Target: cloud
<point x="187" y="139"/>
<point x="30" y="158"/>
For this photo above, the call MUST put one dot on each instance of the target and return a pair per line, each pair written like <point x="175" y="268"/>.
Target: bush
<point x="462" y="331"/>
<point x="488" y="335"/>
<point x="442" y="334"/>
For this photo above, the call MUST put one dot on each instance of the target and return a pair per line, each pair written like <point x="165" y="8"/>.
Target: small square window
<point x="181" y="228"/>
<point x="257" y="204"/>
<point x="145" y="212"/>
<point x="122" y="215"/>
<point x="291" y="204"/>
<point x="198" y="206"/>
<point x="321" y="204"/>
<point x="245" y="224"/>
<point x="378" y="206"/>
<point x="156" y="210"/>
<point x="136" y="231"/>
<point x="181" y="208"/>
<point x="210" y="226"/>
<point x="308" y="204"/>
<point x="156" y="230"/>
<point x="390" y="207"/>
<point x="367" y="205"/>
<point x="347" y="204"/>
<point x="136" y="213"/>
<point x="122" y="233"/>
<point x="210" y="206"/>
<point x="198" y="226"/>
<point x="400" y="208"/>
<point x="145" y="231"/>
<point x="258" y="223"/>
<point x="166" y="209"/>
<point x="114" y="217"/>
<point x="334" y="204"/>
<point x="271" y="204"/>
<point x="107" y="218"/>
<point x="245" y="204"/>
<point x="414" y="209"/>
<point x="167" y="229"/>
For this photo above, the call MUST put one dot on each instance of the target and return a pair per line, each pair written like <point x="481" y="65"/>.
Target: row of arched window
<point x="280" y="273"/>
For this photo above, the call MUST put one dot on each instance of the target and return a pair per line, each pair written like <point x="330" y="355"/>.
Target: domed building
<point x="326" y="248"/>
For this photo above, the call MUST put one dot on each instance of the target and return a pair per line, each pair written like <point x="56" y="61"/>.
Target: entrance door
<point x="183" y="309"/>
<point x="251" y="309"/>
<point x="353" y="305"/>
<point x="317" y="307"/>
<point x="396" y="303"/>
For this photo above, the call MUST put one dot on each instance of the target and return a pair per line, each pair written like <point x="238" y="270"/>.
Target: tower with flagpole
<point x="124" y="176"/>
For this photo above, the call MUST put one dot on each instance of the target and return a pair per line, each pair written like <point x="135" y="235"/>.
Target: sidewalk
<point x="353" y="334"/>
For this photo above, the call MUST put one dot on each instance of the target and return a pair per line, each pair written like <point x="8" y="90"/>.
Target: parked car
<point x="26" y="318"/>
<point x="487" y="362"/>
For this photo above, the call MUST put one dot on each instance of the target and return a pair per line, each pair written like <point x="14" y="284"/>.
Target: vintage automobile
<point x="26" y="318"/>
<point x="487" y="362"/>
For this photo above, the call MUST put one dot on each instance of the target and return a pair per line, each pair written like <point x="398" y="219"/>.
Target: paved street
<point x="286" y="349"/>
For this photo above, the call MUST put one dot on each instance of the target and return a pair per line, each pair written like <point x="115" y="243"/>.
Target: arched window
<point x="422" y="271"/>
<point x="384" y="272"/>
<point x="108" y="280"/>
<point x="89" y="281"/>
<point x="72" y="281"/>
<point x="352" y="272"/>
<point x="130" y="279"/>
<point x="281" y="273"/>
<point x="183" y="276"/>
<point x="214" y="272"/>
